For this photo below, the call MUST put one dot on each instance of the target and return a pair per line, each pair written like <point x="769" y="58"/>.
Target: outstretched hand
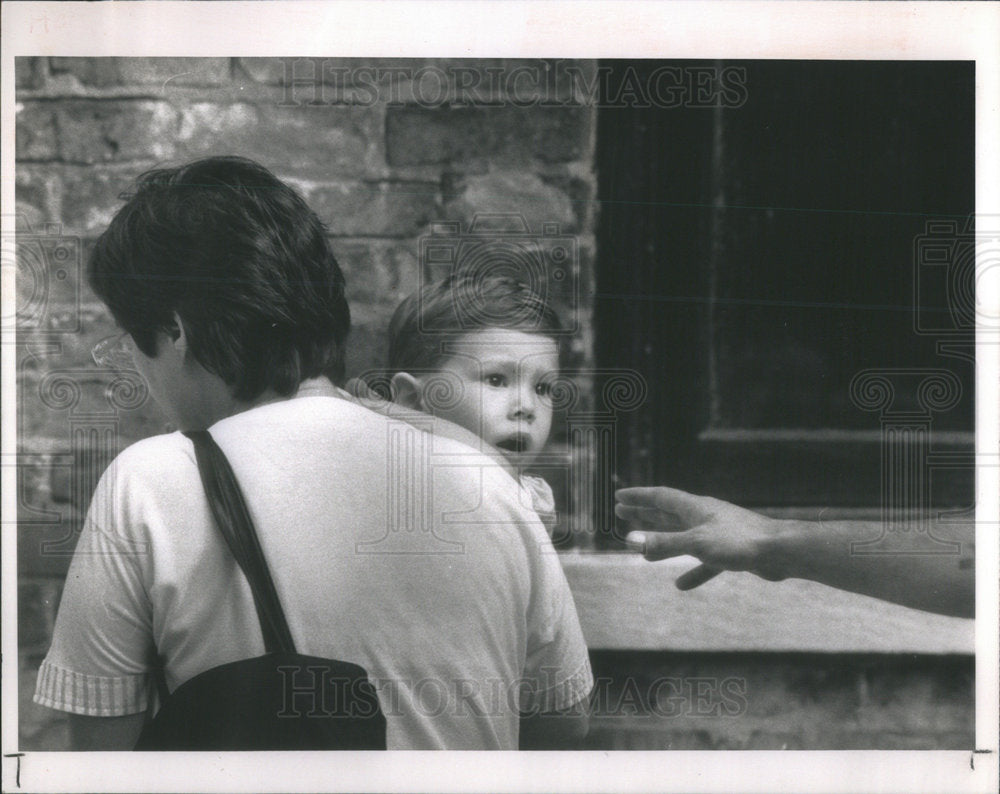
<point x="670" y="523"/>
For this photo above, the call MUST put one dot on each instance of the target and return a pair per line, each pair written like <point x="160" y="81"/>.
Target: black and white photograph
<point x="629" y="408"/>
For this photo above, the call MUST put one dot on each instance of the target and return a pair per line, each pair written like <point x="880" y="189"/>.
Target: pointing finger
<point x="691" y="509"/>
<point x="656" y="545"/>
<point x="650" y="517"/>
<point x="696" y="577"/>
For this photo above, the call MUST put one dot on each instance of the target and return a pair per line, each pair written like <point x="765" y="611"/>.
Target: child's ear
<point x="406" y="391"/>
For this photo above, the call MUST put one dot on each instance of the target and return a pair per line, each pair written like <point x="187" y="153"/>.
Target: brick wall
<point x="378" y="172"/>
<point x="381" y="153"/>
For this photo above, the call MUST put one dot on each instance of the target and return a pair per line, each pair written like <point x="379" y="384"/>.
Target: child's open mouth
<point x="516" y="444"/>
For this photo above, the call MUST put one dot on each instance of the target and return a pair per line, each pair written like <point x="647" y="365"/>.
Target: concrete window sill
<point x="627" y="603"/>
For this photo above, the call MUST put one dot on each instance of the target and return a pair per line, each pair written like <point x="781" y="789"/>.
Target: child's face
<point x="502" y="379"/>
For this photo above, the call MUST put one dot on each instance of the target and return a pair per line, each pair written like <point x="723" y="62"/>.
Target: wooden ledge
<point x="627" y="603"/>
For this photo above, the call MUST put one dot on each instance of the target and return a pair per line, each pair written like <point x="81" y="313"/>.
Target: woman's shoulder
<point x="150" y="482"/>
<point x="156" y="451"/>
<point x="160" y="462"/>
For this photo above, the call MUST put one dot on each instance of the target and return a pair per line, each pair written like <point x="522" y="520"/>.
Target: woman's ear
<point x="177" y="334"/>
<point x="406" y="391"/>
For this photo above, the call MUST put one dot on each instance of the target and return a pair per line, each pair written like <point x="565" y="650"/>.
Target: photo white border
<point x="585" y="29"/>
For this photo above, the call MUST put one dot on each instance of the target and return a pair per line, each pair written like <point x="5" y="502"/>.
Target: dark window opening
<point x="754" y="259"/>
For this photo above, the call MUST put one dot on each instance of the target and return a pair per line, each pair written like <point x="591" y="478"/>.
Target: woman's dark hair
<point x="446" y="310"/>
<point x="241" y="259"/>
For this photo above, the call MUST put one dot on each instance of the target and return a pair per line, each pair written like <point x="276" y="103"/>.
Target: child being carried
<point x="482" y="352"/>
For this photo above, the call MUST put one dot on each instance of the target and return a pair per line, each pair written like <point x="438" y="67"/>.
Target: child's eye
<point x="543" y="389"/>
<point x="496" y="381"/>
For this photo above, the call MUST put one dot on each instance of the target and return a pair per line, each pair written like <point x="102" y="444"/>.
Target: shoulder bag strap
<point x="233" y="519"/>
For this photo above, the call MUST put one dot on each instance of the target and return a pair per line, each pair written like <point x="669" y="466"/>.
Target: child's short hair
<point x="445" y="310"/>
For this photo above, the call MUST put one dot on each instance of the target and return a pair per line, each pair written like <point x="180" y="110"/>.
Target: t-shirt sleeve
<point x="102" y="648"/>
<point x="557" y="671"/>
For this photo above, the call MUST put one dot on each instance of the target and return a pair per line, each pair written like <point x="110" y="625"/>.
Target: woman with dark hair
<point x="419" y="565"/>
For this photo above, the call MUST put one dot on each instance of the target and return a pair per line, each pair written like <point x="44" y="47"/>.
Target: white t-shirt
<point x="406" y="553"/>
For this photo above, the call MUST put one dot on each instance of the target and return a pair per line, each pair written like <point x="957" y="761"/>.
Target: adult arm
<point x="669" y="523"/>
<point x="97" y="666"/>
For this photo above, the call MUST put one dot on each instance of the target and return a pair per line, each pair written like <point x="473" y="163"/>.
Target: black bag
<point x="280" y="701"/>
